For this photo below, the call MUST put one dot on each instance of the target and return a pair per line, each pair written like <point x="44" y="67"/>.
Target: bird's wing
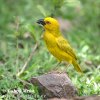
<point x="64" y="45"/>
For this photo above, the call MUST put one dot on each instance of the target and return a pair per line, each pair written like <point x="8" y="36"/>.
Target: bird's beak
<point x="41" y="21"/>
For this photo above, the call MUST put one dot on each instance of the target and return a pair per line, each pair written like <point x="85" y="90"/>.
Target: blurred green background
<point x="79" y="20"/>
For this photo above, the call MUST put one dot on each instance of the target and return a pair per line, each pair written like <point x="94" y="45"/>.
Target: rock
<point x="79" y="98"/>
<point x="57" y="99"/>
<point x="55" y="85"/>
<point x="87" y="98"/>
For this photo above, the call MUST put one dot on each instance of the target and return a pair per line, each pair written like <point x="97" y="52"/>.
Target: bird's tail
<point x="76" y="66"/>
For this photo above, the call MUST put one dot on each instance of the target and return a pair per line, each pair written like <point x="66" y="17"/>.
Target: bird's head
<point x="49" y="24"/>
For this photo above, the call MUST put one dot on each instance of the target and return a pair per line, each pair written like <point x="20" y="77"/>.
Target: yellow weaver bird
<point x="57" y="45"/>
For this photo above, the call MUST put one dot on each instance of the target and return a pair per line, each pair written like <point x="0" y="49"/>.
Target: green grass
<point x="15" y="47"/>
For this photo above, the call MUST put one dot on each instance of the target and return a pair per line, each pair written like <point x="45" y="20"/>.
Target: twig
<point x="24" y="82"/>
<point x="29" y="58"/>
<point x="17" y="24"/>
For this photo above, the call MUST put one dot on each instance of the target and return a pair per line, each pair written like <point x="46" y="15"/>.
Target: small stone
<point x="79" y="98"/>
<point x="87" y="98"/>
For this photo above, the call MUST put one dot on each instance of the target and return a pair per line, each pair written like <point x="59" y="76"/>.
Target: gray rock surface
<point x="79" y="98"/>
<point x="55" y="85"/>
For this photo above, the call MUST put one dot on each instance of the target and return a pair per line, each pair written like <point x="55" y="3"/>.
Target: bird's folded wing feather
<point x="64" y="45"/>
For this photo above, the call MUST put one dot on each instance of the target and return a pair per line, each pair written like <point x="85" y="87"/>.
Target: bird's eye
<point x="47" y="22"/>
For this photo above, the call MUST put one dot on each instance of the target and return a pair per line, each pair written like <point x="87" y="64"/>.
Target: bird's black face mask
<point x="41" y="21"/>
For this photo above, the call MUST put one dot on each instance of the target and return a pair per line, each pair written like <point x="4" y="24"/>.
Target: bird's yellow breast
<point x="51" y="44"/>
<point x="49" y="39"/>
